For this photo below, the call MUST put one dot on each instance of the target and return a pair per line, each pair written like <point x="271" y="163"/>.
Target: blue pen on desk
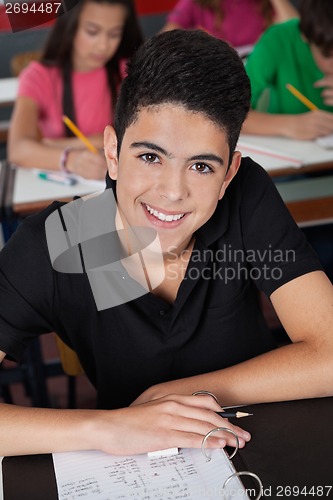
<point x="60" y="179"/>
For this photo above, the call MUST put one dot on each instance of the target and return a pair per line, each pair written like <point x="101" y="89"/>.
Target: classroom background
<point x="152" y="16"/>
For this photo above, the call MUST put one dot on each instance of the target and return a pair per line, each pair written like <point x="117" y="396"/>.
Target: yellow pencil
<point x="79" y="134"/>
<point x="301" y="97"/>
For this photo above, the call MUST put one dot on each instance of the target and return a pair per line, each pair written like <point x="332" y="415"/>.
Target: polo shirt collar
<point x="217" y="225"/>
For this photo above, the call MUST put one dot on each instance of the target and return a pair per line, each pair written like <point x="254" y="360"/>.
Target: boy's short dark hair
<point x="188" y="68"/>
<point x="316" y="24"/>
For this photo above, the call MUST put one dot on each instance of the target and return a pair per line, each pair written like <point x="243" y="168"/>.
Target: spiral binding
<point x="225" y="429"/>
<point x="235" y="474"/>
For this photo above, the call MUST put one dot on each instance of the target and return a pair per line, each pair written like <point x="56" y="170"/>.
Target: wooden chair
<point x="69" y="360"/>
<point x="31" y="372"/>
<point x="72" y="368"/>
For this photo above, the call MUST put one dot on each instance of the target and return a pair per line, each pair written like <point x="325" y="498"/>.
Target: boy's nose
<point x="172" y="185"/>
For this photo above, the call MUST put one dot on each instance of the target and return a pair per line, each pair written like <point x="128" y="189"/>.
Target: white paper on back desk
<point x="325" y="142"/>
<point x="268" y="158"/>
<point x="96" y="475"/>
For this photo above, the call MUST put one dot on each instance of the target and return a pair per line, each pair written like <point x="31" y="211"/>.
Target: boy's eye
<point x="202" y="168"/>
<point x="150" y="158"/>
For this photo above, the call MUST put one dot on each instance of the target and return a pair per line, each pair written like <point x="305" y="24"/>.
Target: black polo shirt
<point x="250" y="243"/>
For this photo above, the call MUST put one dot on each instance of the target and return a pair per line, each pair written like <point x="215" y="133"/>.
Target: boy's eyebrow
<point x="199" y="157"/>
<point x="150" y="145"/>
<point x="207" y="157"/>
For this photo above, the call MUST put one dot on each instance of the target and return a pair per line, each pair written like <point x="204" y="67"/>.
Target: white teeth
<point x="164" y="217"/>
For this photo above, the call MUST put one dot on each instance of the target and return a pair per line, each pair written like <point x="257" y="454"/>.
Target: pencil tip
<point x="241" y="414"/>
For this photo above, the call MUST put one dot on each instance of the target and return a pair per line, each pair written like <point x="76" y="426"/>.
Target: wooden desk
<point x="311" y="157"/>
<point x="26" y="193"/>
<point x="310" y="201"/>
<point x="290" y="448"/>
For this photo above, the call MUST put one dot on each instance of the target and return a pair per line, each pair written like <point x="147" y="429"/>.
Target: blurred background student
<point x="298" y="52"/>
<point x="238" y="22"/>
<point x="78" y="75"/>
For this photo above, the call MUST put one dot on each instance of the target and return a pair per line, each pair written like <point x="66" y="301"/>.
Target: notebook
<point x="325" y="142"/>
<point x="268" y="158"/>
<point x="96" y="475"/>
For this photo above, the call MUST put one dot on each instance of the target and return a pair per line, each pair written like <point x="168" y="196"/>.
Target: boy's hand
<point x="327" y="93"/>
<point x="168" y="422"/>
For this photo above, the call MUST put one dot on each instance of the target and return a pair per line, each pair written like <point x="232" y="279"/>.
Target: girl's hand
<point x="87" y="164"/>
<point x="167" y="422"/>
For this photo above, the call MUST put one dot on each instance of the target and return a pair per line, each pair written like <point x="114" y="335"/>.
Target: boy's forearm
<point x="294" y="371"/>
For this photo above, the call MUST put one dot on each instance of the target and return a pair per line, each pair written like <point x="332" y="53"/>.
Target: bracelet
<point x="63" y="160"/>
<point x="196" y="393"/>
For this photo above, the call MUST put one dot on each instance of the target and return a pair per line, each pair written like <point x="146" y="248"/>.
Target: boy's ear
<point x="110" y="151"/>
<point x="231" y="172"/>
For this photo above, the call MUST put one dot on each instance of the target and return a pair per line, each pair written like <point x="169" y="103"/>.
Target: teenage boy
<point x="298" y="52"/>
<point x="223" y="231"/>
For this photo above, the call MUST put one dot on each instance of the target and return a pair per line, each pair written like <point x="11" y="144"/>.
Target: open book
<point x="95" y="475"/>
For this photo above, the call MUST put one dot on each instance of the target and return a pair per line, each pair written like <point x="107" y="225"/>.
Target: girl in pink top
<point x="79" y="75"/>
<point x="239" y="22"/>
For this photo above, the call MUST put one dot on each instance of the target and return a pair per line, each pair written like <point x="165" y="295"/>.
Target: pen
<point x="236" y="414"/>
<point x="301" y="97"/>
<point x="79" y="134"/>
<point x="48" y="176"/>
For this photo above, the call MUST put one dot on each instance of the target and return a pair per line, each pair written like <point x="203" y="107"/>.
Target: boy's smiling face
<point x="171" y="172"/>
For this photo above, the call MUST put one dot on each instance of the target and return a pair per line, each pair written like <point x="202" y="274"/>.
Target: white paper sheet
<point x="96" y="185"/>
<point x="325" y="142"/>
<point x="99" y="476"/>
<point x="269" y="159"/>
